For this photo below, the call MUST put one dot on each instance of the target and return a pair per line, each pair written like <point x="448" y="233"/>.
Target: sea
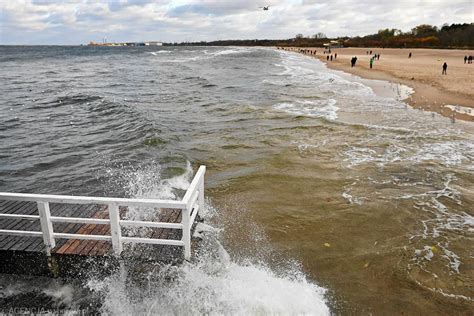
<point x="325" y="193"/>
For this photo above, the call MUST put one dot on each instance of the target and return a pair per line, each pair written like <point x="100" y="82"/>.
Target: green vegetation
<point x="448" y="36"/>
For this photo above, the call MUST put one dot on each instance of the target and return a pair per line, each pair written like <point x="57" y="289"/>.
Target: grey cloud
<point x="116" y="5"/>
<point x="56" y="21"/>
<point x="215" y="7"/>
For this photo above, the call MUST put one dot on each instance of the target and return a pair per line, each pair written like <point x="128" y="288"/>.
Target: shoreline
<point x="426" y="96"/>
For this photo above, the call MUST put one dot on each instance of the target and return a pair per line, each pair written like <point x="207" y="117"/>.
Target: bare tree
<point x="319" y="35"/>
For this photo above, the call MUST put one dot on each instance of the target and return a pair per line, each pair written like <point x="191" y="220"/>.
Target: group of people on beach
<point x="306" y="51"/>
<point x="373" y="58"/>
<point x="331" y="57"/>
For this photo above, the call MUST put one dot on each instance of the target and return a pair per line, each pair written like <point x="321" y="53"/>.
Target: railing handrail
<point x="190" y="205"/>
<point x="74" y="199"/>
<point x="193" y="187"/>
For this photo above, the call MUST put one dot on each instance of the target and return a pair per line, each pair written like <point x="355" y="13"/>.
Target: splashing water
<point x="212" y="283"/>
<point x="215" y="285"/>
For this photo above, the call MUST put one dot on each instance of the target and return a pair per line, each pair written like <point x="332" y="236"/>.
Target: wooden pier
<point x="64" y="235"/>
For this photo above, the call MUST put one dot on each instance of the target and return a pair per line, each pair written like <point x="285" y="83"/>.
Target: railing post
<point x="115" y="230"/>
<point x="46" y="226"/>
<point x="185" y="220"/>
<point x="201" y="192"/>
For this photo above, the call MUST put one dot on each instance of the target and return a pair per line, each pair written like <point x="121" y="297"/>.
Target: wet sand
<point x="451" y="95"/>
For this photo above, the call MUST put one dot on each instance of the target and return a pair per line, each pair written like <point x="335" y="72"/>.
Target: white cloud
<point x="78" y="21"/>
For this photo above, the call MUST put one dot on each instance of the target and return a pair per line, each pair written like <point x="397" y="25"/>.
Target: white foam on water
<point x="204" y="55"/>
<point x="461" y="109"/>
<point x="347" y="194"/>
<point x="212" y="283"/>
<point x="314" y="108"/>
<point x="444" y="221"/>
<point x="160" y="52"/>
<point x="231" y="51"/>
<point x="447" y="153"/>
<point x="440" y="291"/>
<point x="217" y="289"/>
<point x="63" y="294"/>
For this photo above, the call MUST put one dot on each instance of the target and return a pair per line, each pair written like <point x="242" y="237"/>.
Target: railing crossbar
<point x="81" y="236"/>
<point x="25" y="233"/>
<point x="151" y="224"/>
<point x="97" y="221"/>
<point x="169" y="242"/>
<point x="20" y="216"/>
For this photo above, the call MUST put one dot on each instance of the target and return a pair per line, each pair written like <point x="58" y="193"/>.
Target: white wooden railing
<point x="192" y="202"/>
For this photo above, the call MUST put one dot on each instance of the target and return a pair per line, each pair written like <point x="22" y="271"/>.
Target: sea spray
<point x="212" y="283"/>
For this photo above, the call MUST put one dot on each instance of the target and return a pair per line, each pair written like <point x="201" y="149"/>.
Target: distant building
<point x="153" y="43"/>
<point x="333" y="44"/>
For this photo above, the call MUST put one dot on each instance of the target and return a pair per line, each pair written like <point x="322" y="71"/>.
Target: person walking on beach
<point x="445" y="67"/>
<point x="335" y="55"/>
<point x="327" y="57"/>
<point x="378" y="56"/>
<point x="409" y="55"/>
<point x="331" y="57"/>
<point x="371" y="62"/>
<point x="465" y="59"/>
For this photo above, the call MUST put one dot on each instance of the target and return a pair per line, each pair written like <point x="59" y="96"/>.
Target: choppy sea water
<point x="323" y="195"/>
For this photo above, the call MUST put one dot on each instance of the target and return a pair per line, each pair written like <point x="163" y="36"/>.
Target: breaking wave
<point x="213" y="283"/>
<point x="316" y="108"/>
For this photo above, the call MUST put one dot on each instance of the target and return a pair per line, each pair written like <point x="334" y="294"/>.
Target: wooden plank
<point x="6" y="223"/>
<point x="69" y="228"/>
<point x="71" y="210"/>
<point x="101" y="247"/>
<point x="58" y="209"/>
<point x="70" y="246"/>
<point x="2" y="202"/>
<point x="90" y="244"/>
<point x="18" y="208"/>
<point x="87" y="246"/>
<point x="31" y="226"/>
<point x="66" y="211"/>
<point x="7" y="206"/>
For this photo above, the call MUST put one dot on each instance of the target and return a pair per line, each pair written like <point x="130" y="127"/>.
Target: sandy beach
<point x="451" y="95"/>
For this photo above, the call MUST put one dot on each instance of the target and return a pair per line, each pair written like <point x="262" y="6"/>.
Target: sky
<point x="71" y="22"/>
